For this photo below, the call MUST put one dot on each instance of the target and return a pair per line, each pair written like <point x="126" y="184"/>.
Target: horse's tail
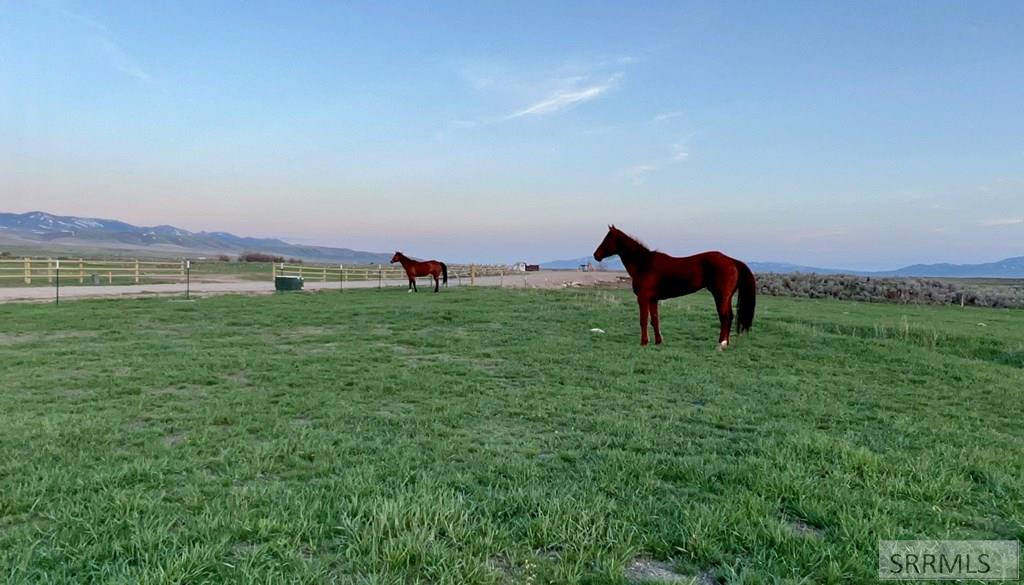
<point x="747" y="298"/>
<point x="444" y="273"/>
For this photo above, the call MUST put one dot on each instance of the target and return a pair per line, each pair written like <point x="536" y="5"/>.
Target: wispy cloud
<point x="1002" y="221"/>
<point x="552" y="91"/>
<point x="124" y="62"/>
<point x="463" y="123"/>
<point x="678" y="153"/>
<point x="118" y="58"/>
<point x="565" y="99"/>
<point x="617" y="61"/>
<point x="667" y="116"/>
<point x="639" y="172"/>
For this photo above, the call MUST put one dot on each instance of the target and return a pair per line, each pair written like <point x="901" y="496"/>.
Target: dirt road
<point x="542" y="279"/>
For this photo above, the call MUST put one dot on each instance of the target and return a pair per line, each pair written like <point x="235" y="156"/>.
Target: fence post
<point x="182" y="269"/>
<point x="49" y="270"/>
<point x="273" y="271"/>
<point x="28" y="270"/>
<point x="380" y="277"/>
<point x="136" y="271"/>
<point x="81" y="271"/>
<point x="110" y="278"/>
<point x="472" y="275"/>
<point x="501" y="276"/>
<point x="324" y="277"/>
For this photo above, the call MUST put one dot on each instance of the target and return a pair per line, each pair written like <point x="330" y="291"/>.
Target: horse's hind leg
<point x="437" y="283"/>
<point x="724" y="305"/>
<point x="656" y="322"/>
<point x="645" y="310"/>
<point x="412" y="284"/>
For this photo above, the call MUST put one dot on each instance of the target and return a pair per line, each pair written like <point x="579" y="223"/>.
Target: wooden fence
<point x="85" y="271"/>
<point x="39" y="271"/>
<point x="339" y="273"/>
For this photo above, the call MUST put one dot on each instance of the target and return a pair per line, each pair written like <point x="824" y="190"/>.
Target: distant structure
<point x="524" y="267"/>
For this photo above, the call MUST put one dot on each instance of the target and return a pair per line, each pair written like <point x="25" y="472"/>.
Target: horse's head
<point x="609" y="245"/>
<point x="396" y="258"/>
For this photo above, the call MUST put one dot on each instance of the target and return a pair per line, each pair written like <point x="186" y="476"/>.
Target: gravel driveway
<point x="542" y="279"/>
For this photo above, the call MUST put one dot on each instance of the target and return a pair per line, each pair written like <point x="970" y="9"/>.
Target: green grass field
<point x="486" y="436"/>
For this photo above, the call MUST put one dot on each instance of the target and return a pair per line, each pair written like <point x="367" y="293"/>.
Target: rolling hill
<point x="66" y="234"/>
<point x="1007" y="268"/>
<point x="39" y="232"/>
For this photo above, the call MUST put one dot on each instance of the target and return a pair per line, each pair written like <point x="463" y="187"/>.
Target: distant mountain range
<point x="66" y="234"/>
<point x="1008" y="268"/>
<point x="37" y="230"/>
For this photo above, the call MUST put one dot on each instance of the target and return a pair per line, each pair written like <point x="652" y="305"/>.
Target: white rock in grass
<point x="596" y="330"/>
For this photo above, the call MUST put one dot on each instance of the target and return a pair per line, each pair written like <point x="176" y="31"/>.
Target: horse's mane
<point x="408" y="257"/>
<point x="632" y="241"/>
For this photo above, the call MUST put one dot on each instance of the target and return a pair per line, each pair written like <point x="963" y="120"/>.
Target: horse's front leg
<point x="645" y="310"/>
<point x="656" y="322"/>
<point x="437" y="284"/>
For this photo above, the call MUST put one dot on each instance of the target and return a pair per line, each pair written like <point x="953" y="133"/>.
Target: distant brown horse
<point x="414" y="268"/>
<point x="657" y="276"/>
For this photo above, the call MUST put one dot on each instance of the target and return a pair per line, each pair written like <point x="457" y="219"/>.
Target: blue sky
<point x="853" y="134"/>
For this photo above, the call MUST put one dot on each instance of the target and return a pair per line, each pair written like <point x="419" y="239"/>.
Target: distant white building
<point x="519" y="267"/>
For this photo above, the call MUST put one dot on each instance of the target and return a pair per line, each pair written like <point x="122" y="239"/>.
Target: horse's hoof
<point x="721" y="346"/>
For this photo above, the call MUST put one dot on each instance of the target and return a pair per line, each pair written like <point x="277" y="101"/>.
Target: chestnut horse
<point x="657" y="276"/>
<point x="414" y="268"/>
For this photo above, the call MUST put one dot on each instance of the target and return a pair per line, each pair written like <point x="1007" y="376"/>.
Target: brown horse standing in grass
<point x="657" y="276"/>
<point x="414" y="268"/>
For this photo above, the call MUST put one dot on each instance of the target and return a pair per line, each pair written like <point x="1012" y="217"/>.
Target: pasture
<point x="487" y="436"/>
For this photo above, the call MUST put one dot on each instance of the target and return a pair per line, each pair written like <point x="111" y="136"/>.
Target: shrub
<point x="259" y="257"/>
<point x="923" y="291"/>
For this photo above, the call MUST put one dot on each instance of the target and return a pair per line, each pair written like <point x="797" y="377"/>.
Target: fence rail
<point x="42" y="271"/>
<point x="380" y="273"/>
<point x="29" y="269"/>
